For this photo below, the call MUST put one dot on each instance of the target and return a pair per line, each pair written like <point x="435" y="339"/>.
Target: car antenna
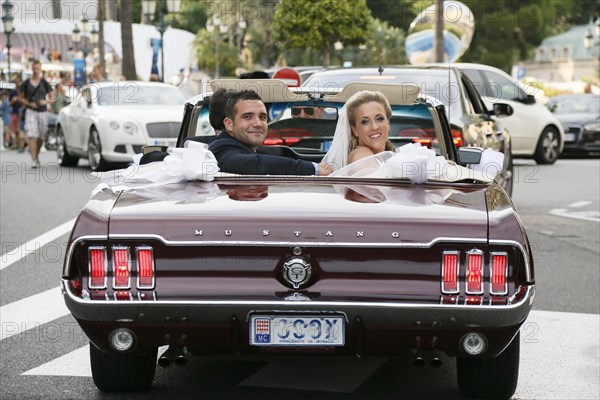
<point x="380" y="69"/>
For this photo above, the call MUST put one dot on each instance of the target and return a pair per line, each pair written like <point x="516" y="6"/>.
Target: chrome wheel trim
<point x="94" y="150"/>
<point x="550" y="145"/>
<point x="60" y="145"/>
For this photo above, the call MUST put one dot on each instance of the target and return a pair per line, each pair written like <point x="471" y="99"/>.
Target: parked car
<point x="306" y="266"/>
<point x="472" y="124"/>
<point x="534" y="131"/>
<point x="579" y="114"/>
<point x="109" y="122"/>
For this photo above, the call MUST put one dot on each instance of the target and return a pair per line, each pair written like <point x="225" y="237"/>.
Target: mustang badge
<point x="296" y="272"/>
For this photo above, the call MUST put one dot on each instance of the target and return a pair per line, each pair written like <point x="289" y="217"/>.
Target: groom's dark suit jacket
<point x="235" y="157"/>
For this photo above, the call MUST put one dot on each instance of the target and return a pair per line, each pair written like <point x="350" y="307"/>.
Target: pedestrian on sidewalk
<point x="5" y="113"/>
<point x="17" y="122"/>
<point x="36" y="93"/>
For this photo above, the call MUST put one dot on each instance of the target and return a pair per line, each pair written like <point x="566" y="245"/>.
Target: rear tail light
<point x="97" y="267"/>
<point x="275" y="141"/>
<point x="450" y="272"/>
<point x="121" y="267"/>
<point x="499" y="270"/>
<point x="425" y="136"/>
<point x="472" y="276"/>
<point x="474" y="272"/>
<point x="145" y="258"/>
<point x="457" y="137"/>
<point x="291" y="141"/>
<point x="272" y="141"/>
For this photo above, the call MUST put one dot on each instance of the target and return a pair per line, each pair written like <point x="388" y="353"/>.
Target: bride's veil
<point x="337" y="155"/>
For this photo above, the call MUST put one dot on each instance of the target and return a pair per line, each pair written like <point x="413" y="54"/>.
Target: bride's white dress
<point x="411" y="161"/>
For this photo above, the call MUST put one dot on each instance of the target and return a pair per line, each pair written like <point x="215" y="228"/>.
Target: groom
<point x="245" y="125"/>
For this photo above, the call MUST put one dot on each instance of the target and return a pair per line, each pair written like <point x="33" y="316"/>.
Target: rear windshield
<point x="439" y="83"/>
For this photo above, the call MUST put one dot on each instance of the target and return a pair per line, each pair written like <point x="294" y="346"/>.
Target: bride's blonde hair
<point x="360" y="98"/>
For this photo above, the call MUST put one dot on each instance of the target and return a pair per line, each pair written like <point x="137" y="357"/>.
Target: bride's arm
<point x="358" y="153"/>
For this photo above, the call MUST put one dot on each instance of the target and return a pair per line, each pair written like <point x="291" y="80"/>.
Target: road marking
<point x="12" y="256"/>
<point x="579" y="204"/>
<point x="583" y="215"/>
<point x="31" y="312"/>
<point x="75" y="363"/>
<point x="559" y="356"/>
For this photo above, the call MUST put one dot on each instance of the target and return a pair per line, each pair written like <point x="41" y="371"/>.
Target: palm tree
<point x="125" y="16"/>
<point x="101" y="18"/>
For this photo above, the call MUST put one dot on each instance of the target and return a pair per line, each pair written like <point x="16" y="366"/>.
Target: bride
<point x="362" y="131"/>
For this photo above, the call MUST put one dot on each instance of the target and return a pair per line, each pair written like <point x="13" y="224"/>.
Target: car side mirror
<point x="469" y="155"/>
<point x="530" y="99"/>
<point x="503" y="110"/>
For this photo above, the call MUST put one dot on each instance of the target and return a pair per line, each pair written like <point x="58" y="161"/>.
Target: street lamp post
<point x="215" y="24"/>
<point x="588" y="40"/>
<point x="240" y="28"/>
<point x="164" y="7"/>
<point x="85" y="36"/>
<point x="7" y="20"/>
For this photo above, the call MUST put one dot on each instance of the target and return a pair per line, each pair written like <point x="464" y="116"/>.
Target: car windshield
<point x="574" y="105"/>
<point x="135" y="94"/>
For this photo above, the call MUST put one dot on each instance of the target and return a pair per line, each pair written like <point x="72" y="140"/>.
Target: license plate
<point x="570" y="137"/>
<point x="164" y="142"/>
<point x="326" y="145"/>
<point x="294" y="330"/>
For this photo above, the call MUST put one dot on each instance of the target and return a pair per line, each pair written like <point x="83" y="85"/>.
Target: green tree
<point x="204" y="45"/>
<point x="192" y="15"/>
<point x="398" y="13"/>
<point x="385" y="46"/>
<point x="505" y="30"/>
<point x="320" y="24"/>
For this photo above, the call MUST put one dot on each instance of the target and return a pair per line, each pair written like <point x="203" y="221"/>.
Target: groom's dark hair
<point x="230" y="108"/>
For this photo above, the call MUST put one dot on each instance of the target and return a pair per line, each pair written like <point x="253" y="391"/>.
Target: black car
<point x="580" y="116"/>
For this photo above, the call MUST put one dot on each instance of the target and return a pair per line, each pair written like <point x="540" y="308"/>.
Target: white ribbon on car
<point x="193" y="162"/>
<point x="418" y="164"/>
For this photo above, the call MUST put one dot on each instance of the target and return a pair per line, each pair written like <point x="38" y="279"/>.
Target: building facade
<point x="44" y="28"/>
<point x="565" y="58"/>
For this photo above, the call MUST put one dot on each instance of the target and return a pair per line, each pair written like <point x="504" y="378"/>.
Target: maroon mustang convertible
<point x="340" y="265"/>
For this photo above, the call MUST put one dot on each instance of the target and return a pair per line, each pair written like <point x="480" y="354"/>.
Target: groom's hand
<point x="325" y="169"/>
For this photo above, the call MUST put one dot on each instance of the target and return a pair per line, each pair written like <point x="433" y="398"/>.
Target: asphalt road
<point x="43" y="353"/>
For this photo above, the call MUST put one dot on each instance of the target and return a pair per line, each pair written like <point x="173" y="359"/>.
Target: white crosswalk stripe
<point x="75" y="363"/>
<point x="31" y="312"/>
<point x="16" y="254"/>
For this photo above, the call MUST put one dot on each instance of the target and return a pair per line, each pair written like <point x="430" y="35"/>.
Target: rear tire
<point x="547" y="148"/>
<point x="114" y="372"/>
<point x="62" y="154"/>
<point x="490" y="378"/>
